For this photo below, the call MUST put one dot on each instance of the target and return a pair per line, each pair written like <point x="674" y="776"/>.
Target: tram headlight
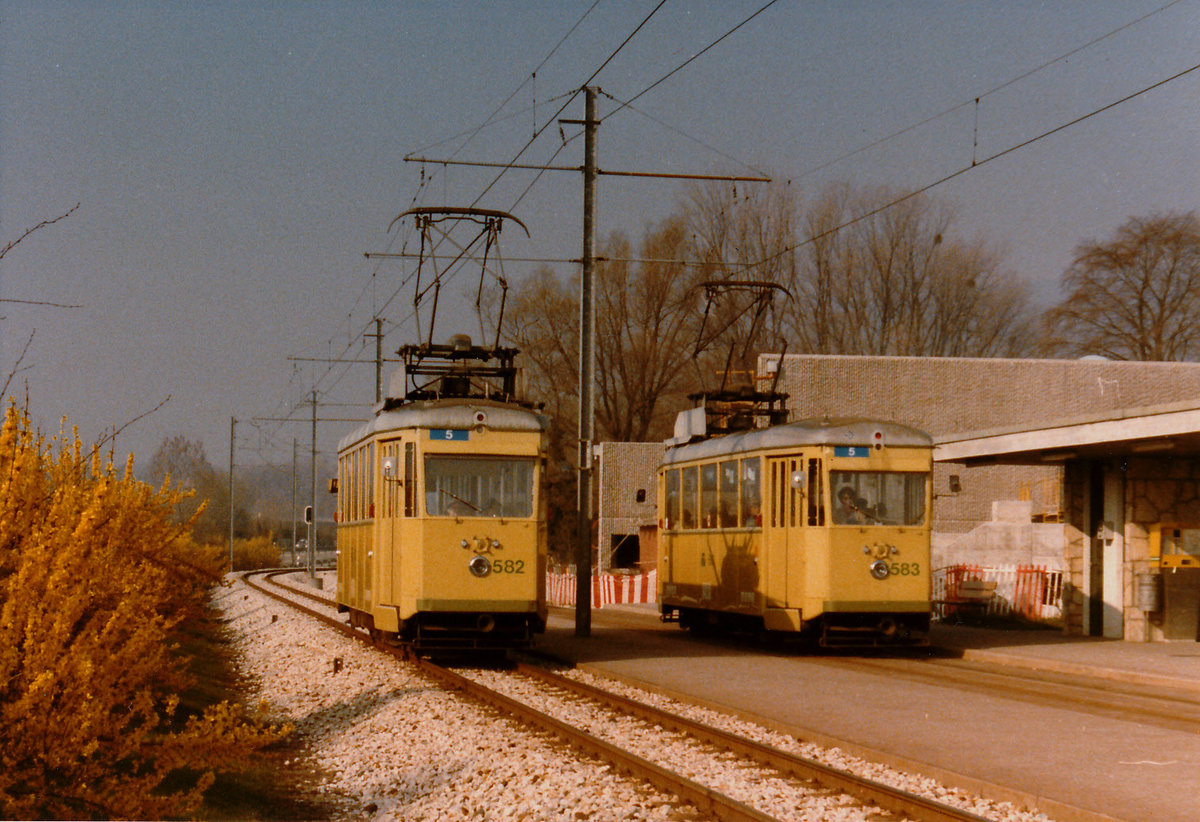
<point x="480" y="566"/>
<point x="879" y="569"/>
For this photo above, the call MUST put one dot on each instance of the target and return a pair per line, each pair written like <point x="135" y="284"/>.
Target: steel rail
<point x="706" y="799"/>
<point x="1160" y="707"/>
<point x="866" y="790"/>
<point x="300" y="592"/>
<point x="318" y="615"/>
<point x="719" y="805"/>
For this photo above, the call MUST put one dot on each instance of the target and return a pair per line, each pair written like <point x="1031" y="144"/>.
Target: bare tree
<point x="18" y="366"/>
<point x="897" y="283"/>
<point x="645" y="330"/>
<point x="184" y="463"/>
<point x="742" y="235"/>
<point x="642" y="342"/>
<point x="542" y="319"/>
<point x="1135" y="296"/>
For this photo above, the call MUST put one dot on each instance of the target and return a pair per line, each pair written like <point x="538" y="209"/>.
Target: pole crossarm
<point x="293" y="419"/>
<point x="599" y="171"/>
<point x="339" y="359"/>
<point x="409" y="255"/>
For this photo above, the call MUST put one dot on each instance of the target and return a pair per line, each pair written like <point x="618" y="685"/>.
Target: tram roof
<point x="455" y="414"/>
<point x="798" y="434"/>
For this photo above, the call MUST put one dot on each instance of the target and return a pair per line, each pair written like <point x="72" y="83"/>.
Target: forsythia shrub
<point x="94" y="575"/>
<point x="255" y="552"/>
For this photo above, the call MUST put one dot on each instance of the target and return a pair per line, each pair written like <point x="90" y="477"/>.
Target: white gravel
<point x="395" y="746"/>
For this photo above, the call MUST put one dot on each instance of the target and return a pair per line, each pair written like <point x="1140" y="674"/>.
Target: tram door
<point x="784" y="513"/>
<point x="387" y="513"/>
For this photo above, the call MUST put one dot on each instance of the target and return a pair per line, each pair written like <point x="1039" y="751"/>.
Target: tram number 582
<point x="508" y="566"/>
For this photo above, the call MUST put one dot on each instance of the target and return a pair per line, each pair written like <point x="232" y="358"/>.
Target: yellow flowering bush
<point x="94" y="578"/>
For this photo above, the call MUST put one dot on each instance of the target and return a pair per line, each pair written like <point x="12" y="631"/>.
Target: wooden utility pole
<point x="378" y="335"/>
<point x="232" y="441"/>
<point x="312" y="516"/>
<point x="587" y="333"/>
<point x="295" y="553"/>
<point x="587" y="372"/>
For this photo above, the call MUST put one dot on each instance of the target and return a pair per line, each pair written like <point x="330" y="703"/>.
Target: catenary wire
<point x="975" y="100"/>
<point x="973" y="165"/>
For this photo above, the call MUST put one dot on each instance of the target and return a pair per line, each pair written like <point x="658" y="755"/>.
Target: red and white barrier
<point x="1032" y="591"/>
<point x="607" y="589"/>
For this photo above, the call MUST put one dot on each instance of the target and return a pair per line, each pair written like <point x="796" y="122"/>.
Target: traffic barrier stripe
<point x="607" y="589"/>
<point x="1031" y="591"/>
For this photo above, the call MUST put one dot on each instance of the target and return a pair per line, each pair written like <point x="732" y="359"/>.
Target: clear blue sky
<point x="234" y="160"/>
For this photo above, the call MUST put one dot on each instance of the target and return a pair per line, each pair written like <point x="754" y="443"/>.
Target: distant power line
<point x="974" y="164"/>
<point x="975" y="101"/>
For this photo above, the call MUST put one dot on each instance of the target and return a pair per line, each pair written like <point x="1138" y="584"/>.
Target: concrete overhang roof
<point x="1159" y="430"/>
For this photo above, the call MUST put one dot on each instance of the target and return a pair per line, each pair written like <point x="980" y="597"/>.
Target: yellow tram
<point x="441" y="527"/>
<point x="816" y="527"/>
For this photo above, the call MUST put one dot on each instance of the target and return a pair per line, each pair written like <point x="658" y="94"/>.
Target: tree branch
<point x="29" y="231"/>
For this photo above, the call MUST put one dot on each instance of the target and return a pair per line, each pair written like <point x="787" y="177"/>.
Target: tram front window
<point x="878" y="498"/>
<point x="478" y="487"/>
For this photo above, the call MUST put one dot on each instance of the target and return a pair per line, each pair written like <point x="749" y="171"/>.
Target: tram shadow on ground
<point x="638" y="633"/>
<point x="1002" y="634"/>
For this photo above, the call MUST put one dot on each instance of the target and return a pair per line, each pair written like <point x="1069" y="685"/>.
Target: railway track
<point x="1161" y="707"/>
<point x="743" y="752"/>
<point x="1179" y="711"/>
<point x="524" y="693"/>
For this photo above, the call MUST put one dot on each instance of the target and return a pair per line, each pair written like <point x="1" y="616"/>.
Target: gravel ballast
<point x="393" y="745"/>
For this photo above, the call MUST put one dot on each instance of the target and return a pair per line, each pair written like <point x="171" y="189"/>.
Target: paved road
<point x="1062" y="759"/>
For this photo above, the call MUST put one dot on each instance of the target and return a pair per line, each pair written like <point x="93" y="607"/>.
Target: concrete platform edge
<point x="1077" y="669"/>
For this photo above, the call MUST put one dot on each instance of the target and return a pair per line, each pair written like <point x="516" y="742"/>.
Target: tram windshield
<point x="478" y="486"/>
<point x="878" y="498"/>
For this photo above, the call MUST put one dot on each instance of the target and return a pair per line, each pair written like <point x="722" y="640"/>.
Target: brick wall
<point x="944" y="395"/>
<point x="625" y="469"/>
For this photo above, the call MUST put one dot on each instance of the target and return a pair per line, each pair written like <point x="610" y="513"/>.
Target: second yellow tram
<point x="817" y="527"/>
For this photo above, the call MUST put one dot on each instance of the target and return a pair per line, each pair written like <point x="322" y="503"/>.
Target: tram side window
<point x="671" y="501"/>
<point x="387" y="491"/>
<point x="751" y="498"/>
<point x="729" y="494"/>
<point x="360" y="491"/>
<point x="370" y="466"/>
<point x="352" y="487"/>
<point x="689" y="479"/>
<point x="356" y="468"/>
<point x="341" y="497"/>
<point x="390" y="481"/>
<point x="816" y="494"/>
<point x="344" y="481"/>
<point x="708" y="495"/>
<point x="410" y="479"/>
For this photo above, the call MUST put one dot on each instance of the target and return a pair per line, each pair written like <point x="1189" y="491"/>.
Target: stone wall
<point x="1158" y="489"/>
